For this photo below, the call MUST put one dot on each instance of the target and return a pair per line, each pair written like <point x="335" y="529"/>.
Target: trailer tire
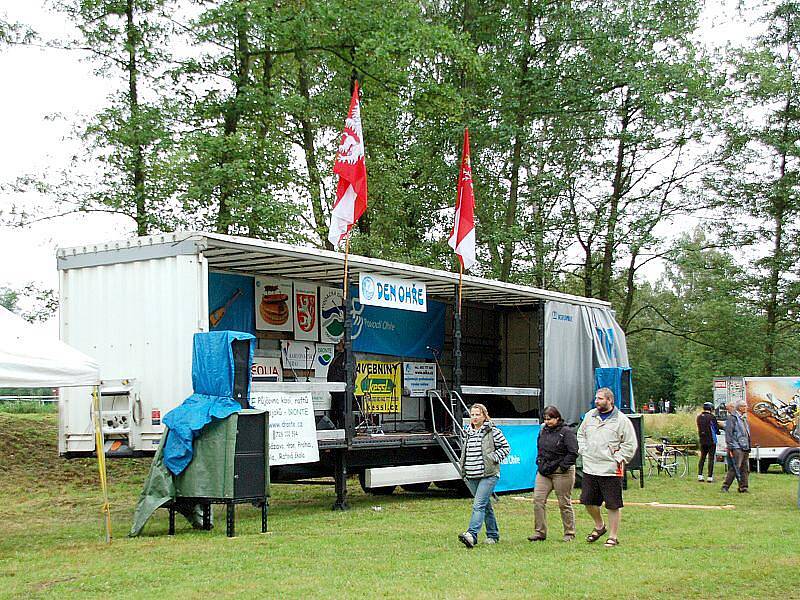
<point x="417" y="487"/>
<point x="375" y="491"/>
<point x="791" y="463"/>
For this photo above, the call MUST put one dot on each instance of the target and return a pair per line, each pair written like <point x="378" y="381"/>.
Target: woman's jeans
<point x="482" y="507"/>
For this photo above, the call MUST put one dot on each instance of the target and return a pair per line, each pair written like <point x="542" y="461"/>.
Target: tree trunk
<point x="776" y="264"/>
<point x="607" y="271"/>
<point x="232" y="116"/>
<point x="138" y="175"/>
<point x="308" y="133"/>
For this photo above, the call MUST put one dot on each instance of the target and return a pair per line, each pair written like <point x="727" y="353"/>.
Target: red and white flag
<point x="462" y="237"/>
<point x="351" y="192"/>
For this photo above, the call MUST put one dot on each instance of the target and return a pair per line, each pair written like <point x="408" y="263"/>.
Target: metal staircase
<point x="450" y="442"/>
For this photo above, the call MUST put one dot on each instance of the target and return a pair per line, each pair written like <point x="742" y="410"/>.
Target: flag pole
<point x="460" y="282"/>
<point x="346" y="254"/>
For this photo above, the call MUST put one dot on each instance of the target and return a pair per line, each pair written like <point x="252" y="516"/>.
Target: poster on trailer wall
<point x="273" y="304"/>
<point x="774" y="406"/>
<point x="331" y="314"/>
<point x="306" y="322"/>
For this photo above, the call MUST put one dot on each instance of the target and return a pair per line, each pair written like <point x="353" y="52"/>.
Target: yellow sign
<point x="380" y="385"/>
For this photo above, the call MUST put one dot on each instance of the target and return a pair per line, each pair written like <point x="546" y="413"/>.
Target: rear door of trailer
<point x="137" y="319"/>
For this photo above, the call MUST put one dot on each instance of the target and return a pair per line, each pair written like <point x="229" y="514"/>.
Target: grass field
<point x="51" y="544"/>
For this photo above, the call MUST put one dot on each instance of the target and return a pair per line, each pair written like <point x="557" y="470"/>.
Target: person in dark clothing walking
<point x="558" y="449"/>
<point x="707" y="430"/>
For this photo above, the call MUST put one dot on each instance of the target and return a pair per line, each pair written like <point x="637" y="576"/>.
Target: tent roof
<point x="29" y="358"/>
<point x="249" y="256"/>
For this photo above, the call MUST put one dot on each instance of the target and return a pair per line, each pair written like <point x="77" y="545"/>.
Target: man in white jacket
<point x="606" y="442"/>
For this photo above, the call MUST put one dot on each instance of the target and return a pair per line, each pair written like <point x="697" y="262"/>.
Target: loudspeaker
<point x="638" y="426"/>
<point x="250" y="455"/>
<point x="241" y="371"/>
<point x="625" y="391"/>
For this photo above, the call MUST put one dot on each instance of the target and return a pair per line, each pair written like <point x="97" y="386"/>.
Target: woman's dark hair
<point x="552" y="411"/>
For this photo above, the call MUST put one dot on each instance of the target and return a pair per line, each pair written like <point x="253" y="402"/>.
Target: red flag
<point x="351" y="192"/>
<point x="462" y="237"/>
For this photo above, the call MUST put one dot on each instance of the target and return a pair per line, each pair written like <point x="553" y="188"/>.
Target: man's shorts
<point x="596" y="489"/>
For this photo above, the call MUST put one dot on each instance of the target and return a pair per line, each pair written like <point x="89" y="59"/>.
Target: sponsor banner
<point x="518" y="470"/>
<point x="391" y="292"/>
<point x="292" y="428"/>
<point x="306" y="321"/>
<point x="273" y="304"/>
<point x="323" y="361"/>
<point x="379" y="384"/>
<point x="398" y="332"/>
<point x="418" y="378"/>
<point x="306" y="356"/>
<point x="266" y="369"/>
<point x="331" y="320"/>
<point x="298" y="355"/>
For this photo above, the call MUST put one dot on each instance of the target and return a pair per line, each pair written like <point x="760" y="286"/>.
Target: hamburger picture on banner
<point x="273" y="304"/>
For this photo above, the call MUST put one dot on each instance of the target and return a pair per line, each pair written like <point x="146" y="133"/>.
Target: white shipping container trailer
<point x="135" y="304"/>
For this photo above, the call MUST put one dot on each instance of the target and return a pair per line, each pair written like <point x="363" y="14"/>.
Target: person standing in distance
<point x="707" y="430"/>
<point x="606" y="442"/>
<point x="737" y="438"/>
<point x="483" y="450"/>
<point x="558" y="449"/>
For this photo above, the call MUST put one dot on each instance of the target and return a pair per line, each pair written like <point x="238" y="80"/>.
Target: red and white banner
<point x="462" y="237"/>
<point x="351" y="192"/>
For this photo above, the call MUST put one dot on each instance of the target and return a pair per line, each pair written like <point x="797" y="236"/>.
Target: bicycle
<point x="664" y="458"/>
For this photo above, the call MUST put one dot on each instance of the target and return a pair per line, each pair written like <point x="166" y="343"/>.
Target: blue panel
<point x="240" y="315"/>
<point x="518" y="470"/>
<point x="402" y="333"/>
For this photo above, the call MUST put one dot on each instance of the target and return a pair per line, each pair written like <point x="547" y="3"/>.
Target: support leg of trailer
<point x="264" y="509"/>
<point x="206" y="517"/>
<point x="229" y="520"/>
<point x="340" y="476"/>
<point x="171" y="530"/>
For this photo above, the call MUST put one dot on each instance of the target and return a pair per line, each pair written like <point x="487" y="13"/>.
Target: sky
<point x="46" y="90"/>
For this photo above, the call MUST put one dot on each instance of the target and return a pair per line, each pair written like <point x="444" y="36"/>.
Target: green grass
<point x="51" y="541"/>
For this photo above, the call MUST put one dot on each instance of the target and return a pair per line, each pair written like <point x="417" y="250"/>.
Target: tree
<point x="761" y="176"/>
<point x="43" y="302"/>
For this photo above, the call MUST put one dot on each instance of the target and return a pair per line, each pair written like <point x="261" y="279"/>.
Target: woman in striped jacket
<point x="484" y="448"/>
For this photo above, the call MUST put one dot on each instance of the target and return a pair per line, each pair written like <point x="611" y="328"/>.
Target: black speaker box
<point x="250" y="457"/>
<point x="241" y="371"/>
<point x="638" y="426"/>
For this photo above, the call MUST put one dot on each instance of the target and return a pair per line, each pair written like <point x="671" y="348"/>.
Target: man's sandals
<point x="596" y="534"/>
<point x="611" y="542"/>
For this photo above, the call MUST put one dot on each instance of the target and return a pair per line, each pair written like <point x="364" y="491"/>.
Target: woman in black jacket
<point x="558" y="449"/>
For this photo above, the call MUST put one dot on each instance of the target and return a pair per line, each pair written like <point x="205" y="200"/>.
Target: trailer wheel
<point x="791" y="464"/>
<point x="376" y="491"/>
<point x="417" y="487"/>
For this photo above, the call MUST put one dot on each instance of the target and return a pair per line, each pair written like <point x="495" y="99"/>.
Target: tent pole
<point x="101" y="460"/>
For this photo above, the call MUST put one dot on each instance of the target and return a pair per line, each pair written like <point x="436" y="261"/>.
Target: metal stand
<point x="230" y="511"/>
<point x="340" y="477"/>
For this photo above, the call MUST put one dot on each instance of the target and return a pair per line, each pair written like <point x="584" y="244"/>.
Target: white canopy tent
<point x="30" y="359"/>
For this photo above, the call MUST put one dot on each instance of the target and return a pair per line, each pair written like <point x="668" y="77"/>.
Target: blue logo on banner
<point x="368" y="288"/>
<point x="557" y="316"/>
<point x="518" y="470"/>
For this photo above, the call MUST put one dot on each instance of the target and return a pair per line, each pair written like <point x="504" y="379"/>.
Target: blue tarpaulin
<point x="212" y="381"/>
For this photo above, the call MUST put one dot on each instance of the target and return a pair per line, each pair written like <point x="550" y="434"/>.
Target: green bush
<point x="680" y="428"/>
<point x="28" y="407"/>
